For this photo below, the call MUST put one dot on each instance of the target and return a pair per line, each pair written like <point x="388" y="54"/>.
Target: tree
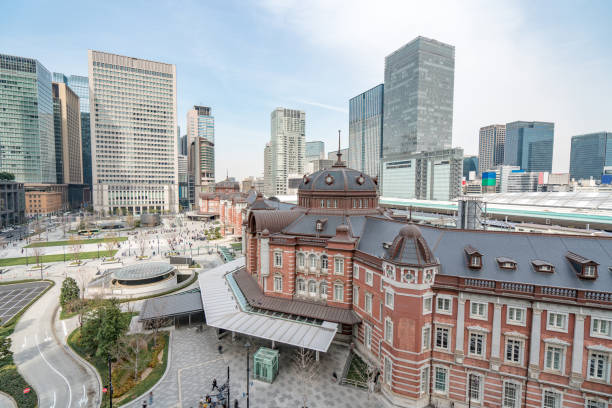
<point x="5" y="349"/>
<point x="5" y="175"/>
<point x="129" y="220"/>
<point x="113" y="324"/>
<point x="171" y="238"/>
<point x="69" y="292"/>
<point x="75" y="248"/>
<point x="110" y="242"/>
<point x="128" y="350"/>
<point x="37" y="228"/>
<point x="307" y="369"/>
<point x="141" y="240"/>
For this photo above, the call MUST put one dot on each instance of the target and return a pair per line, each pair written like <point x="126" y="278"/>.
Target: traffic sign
<point x="26" y="390"/>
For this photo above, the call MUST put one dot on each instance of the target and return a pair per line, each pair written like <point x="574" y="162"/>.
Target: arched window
<point x="324" y="262"/>
<point x="300" y="260"/>
<point x="312" y="288"/>
<point x="301" y="285"/>
<point x="312" y="261"/>
<point x="323" y="289"/>
<point x="278" y="283"/>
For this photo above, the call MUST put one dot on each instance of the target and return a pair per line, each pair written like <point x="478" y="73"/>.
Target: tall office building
<point x="27" y="140"/>
<point x="591" y="156"/>
<point x="80" y="86"/>
<point x="470" y="164"/>
<point x="529" y="145"/>
<point x="491" y="142"/>
<point x="133" y="134"/>
<point x="418" y="98"/>
<point x="333" y="154"/>
<point x="365" y="130"/>
<point x="201" y="138"/>
<point x="288" y="146"/>
<point x="314" y="150"/>
<point x="268" y="176"/>
<point x="67" y="129"/>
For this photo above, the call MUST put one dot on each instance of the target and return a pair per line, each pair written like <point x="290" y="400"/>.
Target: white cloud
<point x="323" y="105"/>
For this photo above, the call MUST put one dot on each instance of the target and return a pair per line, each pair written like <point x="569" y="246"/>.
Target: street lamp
<point x="247" y="345"/>
<point x="98" y="250"/>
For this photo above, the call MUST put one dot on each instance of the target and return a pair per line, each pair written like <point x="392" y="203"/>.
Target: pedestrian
<point x="214" y="384"/>
<point x="144" y="404"/>
<point x="151" y="398"/>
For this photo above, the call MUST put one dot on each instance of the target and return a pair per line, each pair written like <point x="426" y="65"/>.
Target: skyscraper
<point x="315" y="150"/>
<point x="133" y="134"/>
<point x="491" y="143"/>
<point x="201" y="136"/>
<point x="365" y="130"/>
<point x="591" y="156"/>
<point x="67" y="127"/>
<point x="470" y="163"/>
<point x="287" y="143"/>
<point x="418" y="98"/>
<point x="27" y="141"/>
<point x="80" y="86"/>
<point x="529" y="145"/>
<point x="268" y="177"/>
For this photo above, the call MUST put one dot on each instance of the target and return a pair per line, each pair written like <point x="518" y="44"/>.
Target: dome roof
<point x="338" y="178"/>
<point x="145" y="270"/>
<point x="228" y="184"/>
<point x="409" y="247"/>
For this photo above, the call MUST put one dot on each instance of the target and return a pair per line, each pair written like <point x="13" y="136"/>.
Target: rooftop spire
<point x="339" y="162"/>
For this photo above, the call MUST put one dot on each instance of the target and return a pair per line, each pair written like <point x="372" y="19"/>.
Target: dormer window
<point x="506" y="263"/>
<point x="320" y="224"/>
<point x="543" y="266"/>
<point x="474" y="257"/>
<point x="584" y="267"/>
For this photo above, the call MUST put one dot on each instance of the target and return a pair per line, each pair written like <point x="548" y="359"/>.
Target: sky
<point x="514" y="60"/>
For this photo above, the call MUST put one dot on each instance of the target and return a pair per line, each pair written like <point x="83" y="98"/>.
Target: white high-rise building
<point x="268" y="179"/>
<point x="491" y="143"/>
<point x="133" y="134"/>
<point x="288" y="146"/>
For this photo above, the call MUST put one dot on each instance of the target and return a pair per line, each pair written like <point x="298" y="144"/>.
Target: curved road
<point x="43" y="359"/>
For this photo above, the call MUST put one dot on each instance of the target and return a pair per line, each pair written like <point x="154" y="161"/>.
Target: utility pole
<point x="110" y="382"/>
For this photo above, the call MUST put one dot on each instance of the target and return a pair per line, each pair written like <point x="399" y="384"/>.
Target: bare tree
<point x="75" y="248"/>
<point x="128" y="350"/>
<point x="307" y="369"/>
<point x="368" y="375"/>
<point x="129" y="220"/>
<point x="37" y="228"/>
<point x="110" y="242"/>
<point x="38" y="256"/>
<point x="141" y="240"/>
<point x="171" y="238"/>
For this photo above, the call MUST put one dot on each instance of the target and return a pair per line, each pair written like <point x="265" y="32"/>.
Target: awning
<point x="179" y="304"/>
<point x="226" y="308"/>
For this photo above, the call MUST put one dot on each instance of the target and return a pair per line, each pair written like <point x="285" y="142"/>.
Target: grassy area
<point x="31" y="260"/>
<point x="133" y="391"/>
<point x="11" y="382"/>
<point x="81" y="241"/>
<point x="356" y="372"/>
<point x="19" y="281"/>
<point x="236" y="246"/>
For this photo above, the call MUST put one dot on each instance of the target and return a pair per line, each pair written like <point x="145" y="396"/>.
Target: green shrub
<point x="14" y="384"/>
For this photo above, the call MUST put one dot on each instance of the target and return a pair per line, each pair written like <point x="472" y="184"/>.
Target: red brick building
<point x="449" y="317"/>
<point x="227" y="205"/>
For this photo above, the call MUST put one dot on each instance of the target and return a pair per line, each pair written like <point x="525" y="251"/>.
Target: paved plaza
<point x="195" y="362"/>
<point x="13" y="298"/>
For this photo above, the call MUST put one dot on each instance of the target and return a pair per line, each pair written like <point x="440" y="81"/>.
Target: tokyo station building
<point x="449" y="317"/>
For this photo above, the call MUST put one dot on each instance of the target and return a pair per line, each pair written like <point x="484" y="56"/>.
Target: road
<point x="41" y="356"/>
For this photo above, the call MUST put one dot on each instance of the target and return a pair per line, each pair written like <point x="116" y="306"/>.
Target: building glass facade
<point x="418" y="98"/>
<point x="133" y="129"/>
<point x="201" y="134"/>
<point x="529" y="145"/>
<point x="288" y="146"/>
<point x="590" y="154"/>
<point x="27" y="140"/>
<point x="366" y="130"/>
<point x="491" y="146"/>
<point x="315" y="150"/>
<point x="470" y="163"/>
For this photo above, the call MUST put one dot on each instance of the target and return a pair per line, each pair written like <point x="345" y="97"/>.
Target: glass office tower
<point x="201" y="135"/>
<point x="27" y="139"/>
<point x="529" y="145"/>
<point x="315" y="150"/>
<point x="133" y="134"/>
<point x="80" y="86"/>
<point x="366" y="130"/>
<point x="590" y="154"/>
<point x="418" y="98"/>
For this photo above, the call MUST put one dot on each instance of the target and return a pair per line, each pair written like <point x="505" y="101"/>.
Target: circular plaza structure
<point x="144" y="273"/>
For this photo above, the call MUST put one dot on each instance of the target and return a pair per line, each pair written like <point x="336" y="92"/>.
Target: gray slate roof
<point x="142" y="270"/>
<point x="172" y="305"/>
<point x="345" y="179"/>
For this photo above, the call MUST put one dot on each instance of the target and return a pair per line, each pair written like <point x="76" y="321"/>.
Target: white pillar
<point x="460" y="330"/>
<point x="265" y="256"/>
<point x="496" y="337"/>
<point x="317" y="355"/>
<point x="534" y="345"/>
<point x="576" y="377"/>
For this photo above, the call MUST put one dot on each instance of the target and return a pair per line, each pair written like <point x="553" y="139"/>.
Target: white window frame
<point x="550" y="349"/>
<point x="483" y="352"/>
<point x="516" y="402"/>
<point x="324" y="262"/>
<point x="356" y="295"/>
<point x="389" y="330"/>
<point x="514" y="321"/>
<point x="388" y="370"/>
<point x="435" y="379"/>
<point x="323" y="293"/>
<point x="425" y="375"/>
<point x="556" y="315"/>
<point x="595" y="403"/>
<point x="427" y="304"/>
<point x="278" y="259"/>
<point x="589" y="270"/>
<point x="480" y="389"/>
<point x="557" y="394"/>
<point x="389" y="298"/>
<point x="341" y="286"/>
<point x="596" y="324"/>
<point x="444" y="300"/>
<point x="301" y="285"/>
<point x="311" y="258"/>
<point x="521" y="344"/>
<point x="369" y="277"/>
<point x="301" y="260"/>
<point x="356" y="271"/>
<point x="606" y="368"/>
<point x="338" y="265"/>
<point x="480" y="307"/>
<point x="316" y="291"/>
<point x="278" y="287"/>
<point x="448" y="338"/>
<point x="426" y="338"/>
<point x="368" y="303"/>
<point x="367" y="335"/>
